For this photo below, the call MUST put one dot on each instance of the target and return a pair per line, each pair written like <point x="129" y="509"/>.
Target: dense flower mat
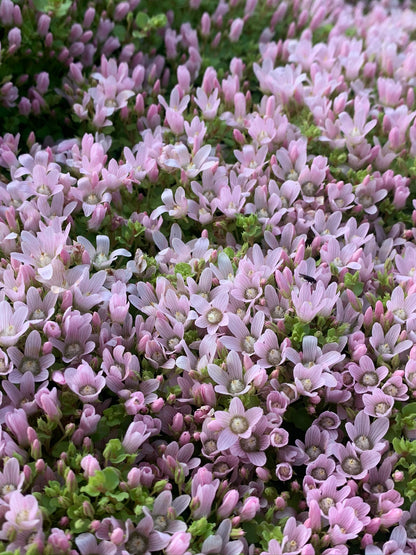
<point x="208" y="277"/>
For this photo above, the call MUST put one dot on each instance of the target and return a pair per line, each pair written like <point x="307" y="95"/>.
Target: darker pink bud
<point x="177" y="422"/>
<point x="122" y="9"/>
<point x="368" y="316"/>
<point x="88" y="17"/>
<point x="157" y="405"/>
<point x="184" y="438"/>
<point x="238" y="136"/>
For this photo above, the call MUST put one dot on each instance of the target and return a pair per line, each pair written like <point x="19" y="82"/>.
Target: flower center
<point x="100" y="258"/>
<point x="250" y="444"/>
<point x="278" y="312"/>
<point x="38" y="314"/>
<point x="210" y="446"/>
<point x="8" y="488"/>
<point x="327" y="422"/>
<point x="160" y="523"/>
<point x="391" y="389"/>
<point x="236" y="386"/>
<point x="136" y="544"/>
<point x="251" y="293"/>
<point x="262" y="213"/>
<point x="88" y="390"/>
<point x="381" y="408"/>
<point x="307" y="384"/>
<point x="43" y="189"/>
<point x="73" y="350"/>
<point x="92" y="198"/>
<point x="179" y="317"/>
<point x="319" y="473"/>
<point x="351" y="465"/>
<point x="22" y="516"/>
<point x="221" y="468"/>
<point x="173" y="342"/>
<point x="293" y="175"/>
<point x="44" y="259"/>
<point x="8" y="331"/>
<point x="411" y="529"/>
<point x="248" y="344"/>
<point x="384" y="349"/>
<point x="309" y="189"/>
<point x="366" y="201"/>
<point x="291" y="546"/>
<point x="30" y="365"/>
<point x="239" y="424"/>
<point x="378" y="488"/>
<point x="369" y="378"/>
<point x="273" y="357"/>
<point x="326" y="503"/>
<point x="313" y="452"/>
<point x="400" y="313"/>
<point x="214" y="316"/>
<point x="363" y="443"/>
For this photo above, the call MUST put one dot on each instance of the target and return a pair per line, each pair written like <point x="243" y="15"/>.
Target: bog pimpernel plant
<point x="207" y="277"/>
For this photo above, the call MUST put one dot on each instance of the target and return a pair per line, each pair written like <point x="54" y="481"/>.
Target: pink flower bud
<point x="15" y="39"/>
<point x="178" y="544"/>
<point x="236" y="29"/>
<point x="184" y="438"/>
<point x="40" y="466"/>
<point x="228" y="504"/>
<point x="205" y="24"/>
<point x="250" y="508"/>
<point x="398" y="476"/>
<point x="263" y="474"/>
<point x="117" y="536"/>
<point x="90" y="465"/>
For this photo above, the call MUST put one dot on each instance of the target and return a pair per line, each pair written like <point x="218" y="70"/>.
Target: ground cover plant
<point x="207" y="277"/>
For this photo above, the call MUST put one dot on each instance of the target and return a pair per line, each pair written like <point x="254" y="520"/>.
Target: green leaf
<point x="102" y="481"/>
<point x="41" y="5"/>
<point x="141" y="20"/>
<point x="184" y="269"/>
<point x="114" y="451"/>
<point x="409" y="409"/>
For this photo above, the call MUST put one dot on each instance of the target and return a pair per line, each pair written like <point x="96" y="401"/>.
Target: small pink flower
<point x="236" y="423"/>
<point x="85" y="382"/>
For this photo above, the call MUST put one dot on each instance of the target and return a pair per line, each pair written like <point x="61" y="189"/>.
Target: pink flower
<point x="386" y="345"/>
<point x="13" y="323"/>
<point x="235" y="424"/>
<point x="378" y="404"/>
<point x="23" y="513"/>
<point x="135" y="436"/>
<point x="208" y="104"/>
<point x="84" y="382"/>
<point x="231" y="381"/>
<point x="295" y="536"/>
<point x="31" y="360"/>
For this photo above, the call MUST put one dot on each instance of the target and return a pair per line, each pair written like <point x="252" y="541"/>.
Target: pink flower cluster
<point x="208" y="322"/>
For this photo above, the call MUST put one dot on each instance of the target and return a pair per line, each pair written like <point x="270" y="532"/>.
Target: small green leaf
<point x="141" y="20"/>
